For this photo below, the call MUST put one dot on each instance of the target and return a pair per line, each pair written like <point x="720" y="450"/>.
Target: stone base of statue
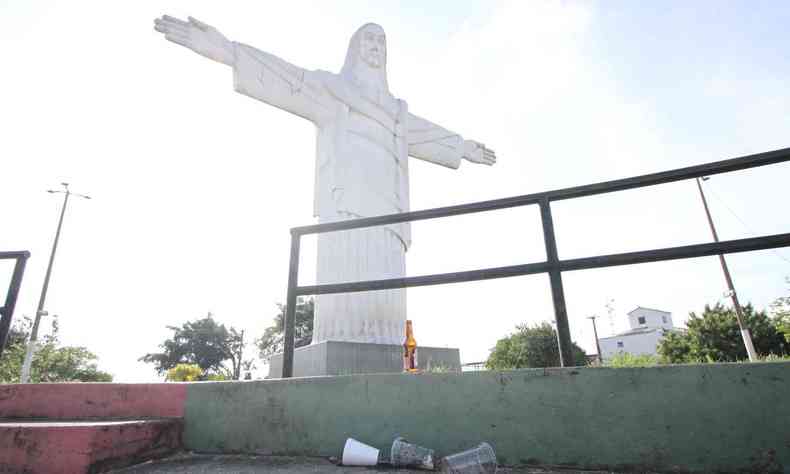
<point x="345" y="358"/>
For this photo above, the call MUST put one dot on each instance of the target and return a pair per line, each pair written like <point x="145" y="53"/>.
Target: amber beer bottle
<point x="409" y="350"/>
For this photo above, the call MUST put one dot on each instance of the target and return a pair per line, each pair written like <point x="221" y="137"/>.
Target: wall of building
<point x="653" y="318"/>
<point x="697" y="417"/>
<point x="637" y="344"/>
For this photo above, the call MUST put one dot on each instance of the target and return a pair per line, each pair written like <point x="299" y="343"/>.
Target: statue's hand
<point x="476" y="152"/>
<point x="197" y="36"/>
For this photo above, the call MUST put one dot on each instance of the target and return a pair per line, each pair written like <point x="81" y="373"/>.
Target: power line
<point x="743" y="223"/>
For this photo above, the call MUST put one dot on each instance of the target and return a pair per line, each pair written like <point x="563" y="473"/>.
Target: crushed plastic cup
<point x="479" y="460"/>
<point x="359" y="454"/>
<point x="405" y="454"/>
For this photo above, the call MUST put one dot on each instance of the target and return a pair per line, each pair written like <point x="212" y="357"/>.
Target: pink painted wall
<point x="60" y="401"/>
<point x="71" y="448"/>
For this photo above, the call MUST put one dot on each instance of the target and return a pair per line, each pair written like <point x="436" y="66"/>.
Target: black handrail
<point x="7" y="310"/>
<point x="553" y="266"/>
<point x="680" y="174"/>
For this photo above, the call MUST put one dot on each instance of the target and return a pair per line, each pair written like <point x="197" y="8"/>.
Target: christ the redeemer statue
<point x="365" y="137"/>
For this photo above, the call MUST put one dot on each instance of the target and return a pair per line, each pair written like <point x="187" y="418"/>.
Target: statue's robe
<point x="362" y="170"/>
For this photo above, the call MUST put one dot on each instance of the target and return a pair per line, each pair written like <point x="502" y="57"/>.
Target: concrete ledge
<point x="74" y="447"/>
<point x="346" y="358"/>
<point x="76" y="401"/>
<point x="723" y="417"/>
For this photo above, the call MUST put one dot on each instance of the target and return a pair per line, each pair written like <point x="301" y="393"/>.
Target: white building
<point x="648" y="327"/>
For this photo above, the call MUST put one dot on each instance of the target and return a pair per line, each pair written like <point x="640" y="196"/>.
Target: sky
<point x="194" y="186"/>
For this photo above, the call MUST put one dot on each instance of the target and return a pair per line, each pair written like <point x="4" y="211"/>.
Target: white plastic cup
<point x="359" y="454"/>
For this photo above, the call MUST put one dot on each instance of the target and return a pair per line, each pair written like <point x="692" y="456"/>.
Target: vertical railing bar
<point x="557" y="293"/>
<point x="7" y="312"/>
<point x="290" y="307"/>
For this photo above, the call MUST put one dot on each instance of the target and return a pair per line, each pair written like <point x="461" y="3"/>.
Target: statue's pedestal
<point x="344" y="358"/>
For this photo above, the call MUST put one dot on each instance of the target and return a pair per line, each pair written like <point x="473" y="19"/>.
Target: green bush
<point x="773" y="358"/>
<point x="624" y="359"/>
<point x="215" y="378"/>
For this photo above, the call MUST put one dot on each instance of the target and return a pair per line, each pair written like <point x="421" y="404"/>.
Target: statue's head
<point x="373" y="45"/>
<point x="366" y="59"/>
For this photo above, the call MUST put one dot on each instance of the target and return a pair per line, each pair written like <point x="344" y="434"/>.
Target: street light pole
<point x="597" y="344"/>
<point x="747" y="337"/>
<point x="32" y="342"/>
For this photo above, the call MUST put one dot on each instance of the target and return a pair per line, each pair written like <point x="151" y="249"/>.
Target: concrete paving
<point x="244" y="464"/>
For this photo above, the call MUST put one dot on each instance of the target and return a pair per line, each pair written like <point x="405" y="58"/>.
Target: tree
<point x="205" y="343"/>
<point x="781" y="311"/>
<point x="236" y="347"/>
<point x="674" y="348"/>
<point x="531" y="346"/>
<point x="52" y="362"/>
<point x="272" y="340"/>
<point x="714" y="336"/>
<point x="14" y="353"/>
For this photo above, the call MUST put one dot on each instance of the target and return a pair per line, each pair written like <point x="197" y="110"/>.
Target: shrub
<point x="184" y="373"/>
<point x="624" y="359"/>
<point x="531" y="346"/>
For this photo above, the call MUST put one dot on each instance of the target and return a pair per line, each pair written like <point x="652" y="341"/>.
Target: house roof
<point x="649" y="309"/>
<point x="633" y="332"/>
<point x="637" y="331"/>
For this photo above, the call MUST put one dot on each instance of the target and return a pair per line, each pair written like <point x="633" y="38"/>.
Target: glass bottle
<point x="409" y="350"/>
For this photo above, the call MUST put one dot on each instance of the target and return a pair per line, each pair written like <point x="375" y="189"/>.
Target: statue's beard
<point x="366" y="66"/>
<point x="369" y="73"/>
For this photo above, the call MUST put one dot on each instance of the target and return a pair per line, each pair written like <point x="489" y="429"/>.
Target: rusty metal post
<point x="290" y="307"/>
<point x="7" y="311"/>
<point x="557" y="293"/>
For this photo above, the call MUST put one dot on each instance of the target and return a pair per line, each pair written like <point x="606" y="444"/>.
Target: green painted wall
<point x="698" y="417"/>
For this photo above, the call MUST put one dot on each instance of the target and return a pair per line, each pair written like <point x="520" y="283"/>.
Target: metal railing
<point x="553" y="265"/>
<point x="7" y="310"/>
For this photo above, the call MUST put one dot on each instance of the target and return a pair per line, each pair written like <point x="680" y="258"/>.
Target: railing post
<point x="7" y="311"/>
<point x="557" y="293"/>
<point x="290" y="307"/>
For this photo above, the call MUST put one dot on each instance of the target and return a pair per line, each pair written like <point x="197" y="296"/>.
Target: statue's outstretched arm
<point x="197" y="36"/>
<point x="256" y="73"/>
<point x="436" y="144"/>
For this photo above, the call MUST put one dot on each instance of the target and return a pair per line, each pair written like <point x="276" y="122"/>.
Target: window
<point x="664" y="319"/>
<point x="641" y="319"/>
<point x="619" y="344"/>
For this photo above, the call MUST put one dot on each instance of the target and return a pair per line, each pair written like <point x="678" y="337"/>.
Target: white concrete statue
<point x="365" y="136"/>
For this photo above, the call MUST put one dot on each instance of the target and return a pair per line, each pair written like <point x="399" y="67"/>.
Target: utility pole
<point x="747" y="337"/>
<point x="597" y="344"/>
<point x="33" y="341"/>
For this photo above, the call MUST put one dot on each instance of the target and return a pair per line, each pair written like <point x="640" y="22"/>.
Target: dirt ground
<point x="245" y="464"/>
